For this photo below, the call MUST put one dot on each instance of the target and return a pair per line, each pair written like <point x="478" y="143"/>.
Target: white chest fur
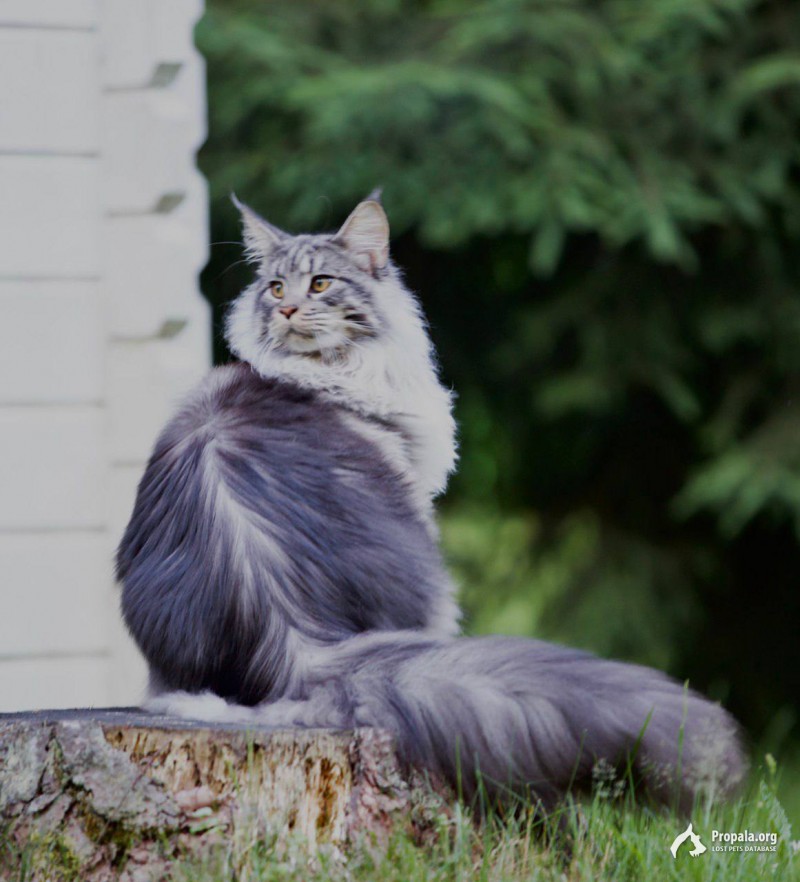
<point x="391" y="379"/>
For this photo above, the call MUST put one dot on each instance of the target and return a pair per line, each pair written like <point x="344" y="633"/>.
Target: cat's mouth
<point x="311" y="344"/>
<point x="310" y="337"/>
<point x="293" y="336"/>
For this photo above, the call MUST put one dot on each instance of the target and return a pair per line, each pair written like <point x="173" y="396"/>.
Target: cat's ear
<point x="365" y="234"/>
<point x="260" y="236"/>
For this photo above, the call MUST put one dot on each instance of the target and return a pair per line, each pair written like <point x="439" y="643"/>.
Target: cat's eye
<point x="276" y="288"/>
<point x="320" y="284"/>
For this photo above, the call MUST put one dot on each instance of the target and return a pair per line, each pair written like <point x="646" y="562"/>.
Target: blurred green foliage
<point x="599" y="201"/>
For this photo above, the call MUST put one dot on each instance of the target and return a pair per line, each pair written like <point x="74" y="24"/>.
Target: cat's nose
<point x="288" y="311"/>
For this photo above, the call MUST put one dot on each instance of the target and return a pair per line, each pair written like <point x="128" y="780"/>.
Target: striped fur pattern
<point x="281" y="566"/>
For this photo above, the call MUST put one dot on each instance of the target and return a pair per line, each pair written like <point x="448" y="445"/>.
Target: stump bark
<point x="120" y="794"/>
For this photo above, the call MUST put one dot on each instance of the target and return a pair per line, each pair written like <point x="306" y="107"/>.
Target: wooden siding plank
<point x="49" y="13"/>
<point x="52" y="467"/>
<point x="29" y="684"/>
<point x="49" y="217"/>
<point x="55" y="588"/>
<point x="51" y="342"/>
<point x="153" y="173"/>
<point x="160" y="285"/>
<point x="146" y="381"/>
<point x="51" y="100"/>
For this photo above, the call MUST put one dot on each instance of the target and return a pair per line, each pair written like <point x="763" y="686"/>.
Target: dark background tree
<point x="599" y="202"/>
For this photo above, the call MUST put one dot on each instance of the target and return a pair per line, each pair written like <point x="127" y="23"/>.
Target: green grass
<point x="603" y="839"/>
<point x="788" y="787"/>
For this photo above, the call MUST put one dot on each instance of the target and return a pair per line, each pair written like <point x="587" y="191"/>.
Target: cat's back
<point x="234" y="399"/>
<point x="298" y="442"/>
<point x="263" y="504"/>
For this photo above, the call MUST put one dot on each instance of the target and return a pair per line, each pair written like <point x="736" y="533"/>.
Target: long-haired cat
<point x="281" y="565"/>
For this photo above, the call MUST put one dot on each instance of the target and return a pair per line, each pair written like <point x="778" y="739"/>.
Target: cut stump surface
<point x="120" y="793"/>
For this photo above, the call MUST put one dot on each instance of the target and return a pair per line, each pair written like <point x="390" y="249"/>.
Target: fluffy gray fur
<point x="281" y="564"/>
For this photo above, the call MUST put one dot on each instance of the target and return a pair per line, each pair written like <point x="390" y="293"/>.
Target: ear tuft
<point x="260" y="236"/>
<point x="365" y="234"/>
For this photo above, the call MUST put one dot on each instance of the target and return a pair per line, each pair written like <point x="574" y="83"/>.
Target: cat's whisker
<point x="232" y="266"/>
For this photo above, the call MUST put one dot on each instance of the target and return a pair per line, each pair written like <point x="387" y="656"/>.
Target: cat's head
<point x="329" y="312"/>
<point x="314" y="295"/>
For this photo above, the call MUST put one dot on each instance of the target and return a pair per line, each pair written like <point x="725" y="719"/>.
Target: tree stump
<point x="119" y="793"/>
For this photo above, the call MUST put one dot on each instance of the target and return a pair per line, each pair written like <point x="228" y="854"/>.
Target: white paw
<point x="204" y="706"/>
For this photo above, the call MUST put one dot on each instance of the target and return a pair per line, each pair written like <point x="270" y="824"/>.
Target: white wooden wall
<point x="102" y="326"/>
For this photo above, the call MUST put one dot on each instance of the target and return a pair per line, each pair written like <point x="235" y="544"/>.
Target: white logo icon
<point x="688" y="833"/>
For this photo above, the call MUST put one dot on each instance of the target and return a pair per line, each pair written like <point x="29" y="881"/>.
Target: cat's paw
<point x="204" y="706"/>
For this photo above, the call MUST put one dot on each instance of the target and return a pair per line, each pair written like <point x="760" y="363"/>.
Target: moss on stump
<point x="120" y="794"/>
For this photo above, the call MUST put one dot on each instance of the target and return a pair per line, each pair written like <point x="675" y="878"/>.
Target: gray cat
<point x="281" y="566"/>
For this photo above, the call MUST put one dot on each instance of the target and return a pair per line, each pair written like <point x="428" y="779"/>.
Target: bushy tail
<point x="510" y="714"/>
